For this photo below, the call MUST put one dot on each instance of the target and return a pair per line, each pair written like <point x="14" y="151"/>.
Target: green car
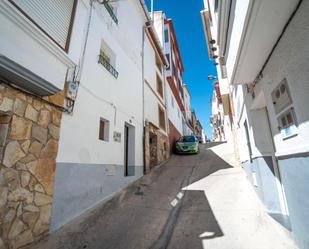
<point x="187" y="145"/>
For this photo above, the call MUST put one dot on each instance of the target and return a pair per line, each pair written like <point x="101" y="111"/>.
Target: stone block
<point x="20" y="128"/>
<point x="23" y="239"/>
<point x="54" y="131"/>
<point x="56" y="114"/>
<point x="44" y="118"/>
<point x="4" y="128"/>
<point x="21" y="194"/>
<point x="36" y="148"/>
<point x="19" y="107"/>
<point x="31" y="208"/>
<point x="3" y="196"/>
<point x="24" y="178"/>
<point x="6" y="105"/>
<point x="25" y="146"/>
<point x="38" y="104"/>
<point x="31" y="113"/>
<point x="12" y="154"/>
<point x="5" y="119"/>
<point x="44" y="171"/>
<point x="27" y="159"/>
<point x="17" y="228"/>
<point x="43" y="222"/>
<point x="30" y="218"/>
<point x="40" y="134"/>
<point x="42" y="199"/>
<point x="50" y="150"/>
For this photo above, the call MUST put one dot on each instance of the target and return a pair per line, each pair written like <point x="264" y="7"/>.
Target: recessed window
<point x="159" y="86"/>
<point x="108" y="59"/>
<point x="104" y="130"/>
<point x="168" y="59"/>
<point x="166" y="35"/>
<point x="161" y="118"/>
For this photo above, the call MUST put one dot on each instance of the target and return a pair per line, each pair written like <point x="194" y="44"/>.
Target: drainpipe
<point x="143" y="100"/>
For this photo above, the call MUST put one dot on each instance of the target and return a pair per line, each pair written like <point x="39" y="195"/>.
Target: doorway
<point x="153" y="149"/>
<point x="129" y="150"/>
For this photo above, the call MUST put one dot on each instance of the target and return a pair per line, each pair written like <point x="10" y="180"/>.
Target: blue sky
<point x="190" y="36"/>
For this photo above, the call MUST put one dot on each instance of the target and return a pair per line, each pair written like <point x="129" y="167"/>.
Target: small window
<point x="104" y="130"/>
<point x="172" y="101"/>
<point x="287" y="119"/>
<point x="108" y="59"/>
<point x="158" y="64"/>
<point x="168" y="59"/>
<point x="174" y="70"/>
<point x="159" y="86"/>
<point x="161" y="118"/>
<point x="178" y="113"/>
<point x="166" y="35"/>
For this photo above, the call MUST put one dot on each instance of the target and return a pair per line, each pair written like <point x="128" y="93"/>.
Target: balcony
<point x="110" y="11"/>
<point x="108" y="66"/>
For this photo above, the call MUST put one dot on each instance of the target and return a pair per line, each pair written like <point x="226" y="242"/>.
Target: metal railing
<point x="110" y="10"/>
<point x="108" y="66"/>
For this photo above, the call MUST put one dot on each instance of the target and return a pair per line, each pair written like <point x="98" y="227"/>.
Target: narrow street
<point x="198" y="201"/>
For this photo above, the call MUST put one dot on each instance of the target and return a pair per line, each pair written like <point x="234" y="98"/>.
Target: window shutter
<point x="53" y="17"/>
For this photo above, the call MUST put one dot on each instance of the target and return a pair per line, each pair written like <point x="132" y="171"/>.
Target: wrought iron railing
<point x="110" y="10"/>
<point x="108" y="66"/>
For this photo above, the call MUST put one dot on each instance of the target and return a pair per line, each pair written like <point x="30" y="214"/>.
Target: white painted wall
<point x="152" y="100"/>
<point x="174" y="112"/>
<point x="102" y="96"/>
<point x="31" y="48"/>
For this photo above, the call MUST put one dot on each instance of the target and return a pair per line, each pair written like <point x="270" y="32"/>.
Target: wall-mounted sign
<point x="117" y="136"/>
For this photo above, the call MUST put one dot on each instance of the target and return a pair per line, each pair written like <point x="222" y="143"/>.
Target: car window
<point x="190" y="139"/>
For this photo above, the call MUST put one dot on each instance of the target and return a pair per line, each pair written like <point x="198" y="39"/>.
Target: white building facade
<point x="174" y="86"/>
<point x="101" y="147"/>
<point x="262" y="49"/>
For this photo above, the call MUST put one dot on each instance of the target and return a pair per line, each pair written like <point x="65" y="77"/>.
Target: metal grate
<point x="108" y="66"/>
<point x="110" y="10"/>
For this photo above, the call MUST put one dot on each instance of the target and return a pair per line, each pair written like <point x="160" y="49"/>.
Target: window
<point x="172" y="98"/>
<point x="287" y="123"/>
<point x="108" y="59"/>
<point x="161" y="118"/>
<point x="54" y="18"/>
<point x="166" y="35"/>
<point x="159" y="86"/>
<point x="174" y="70"/>
<point x="168" y="59"/>
<point x="159" y="64"/>
<point x="178" y="113"/>
<point x="104" y="130"/>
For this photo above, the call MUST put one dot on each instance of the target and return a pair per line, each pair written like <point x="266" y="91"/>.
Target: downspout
<point x="143" y="100"/>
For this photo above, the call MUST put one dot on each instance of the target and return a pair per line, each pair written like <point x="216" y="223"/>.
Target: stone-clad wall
<point x="29" y="133"/>
<point x="160" y="144"/>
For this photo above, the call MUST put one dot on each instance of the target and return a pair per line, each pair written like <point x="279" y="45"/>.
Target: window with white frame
<point x="107" y="58"/>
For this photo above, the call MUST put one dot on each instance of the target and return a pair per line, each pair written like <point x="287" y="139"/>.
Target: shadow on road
<point x="196" y="221"/>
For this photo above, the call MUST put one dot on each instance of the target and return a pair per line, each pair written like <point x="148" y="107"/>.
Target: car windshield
<point x="189" y="139"/>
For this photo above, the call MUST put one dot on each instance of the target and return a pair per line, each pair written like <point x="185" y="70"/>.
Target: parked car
<point x="187" y="145"/>
<point x="200" y="140"/>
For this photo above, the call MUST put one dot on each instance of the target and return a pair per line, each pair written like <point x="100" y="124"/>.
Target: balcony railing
<point x="108" y="66"/>
<point x="110" y="10"/>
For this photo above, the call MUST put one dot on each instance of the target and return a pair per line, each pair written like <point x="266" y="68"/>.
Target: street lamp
<point x="211" y="77"/>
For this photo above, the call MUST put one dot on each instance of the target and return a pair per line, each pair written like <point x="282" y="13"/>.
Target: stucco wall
<point x="82" y="156"/>
<point x="295" y="177"/>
